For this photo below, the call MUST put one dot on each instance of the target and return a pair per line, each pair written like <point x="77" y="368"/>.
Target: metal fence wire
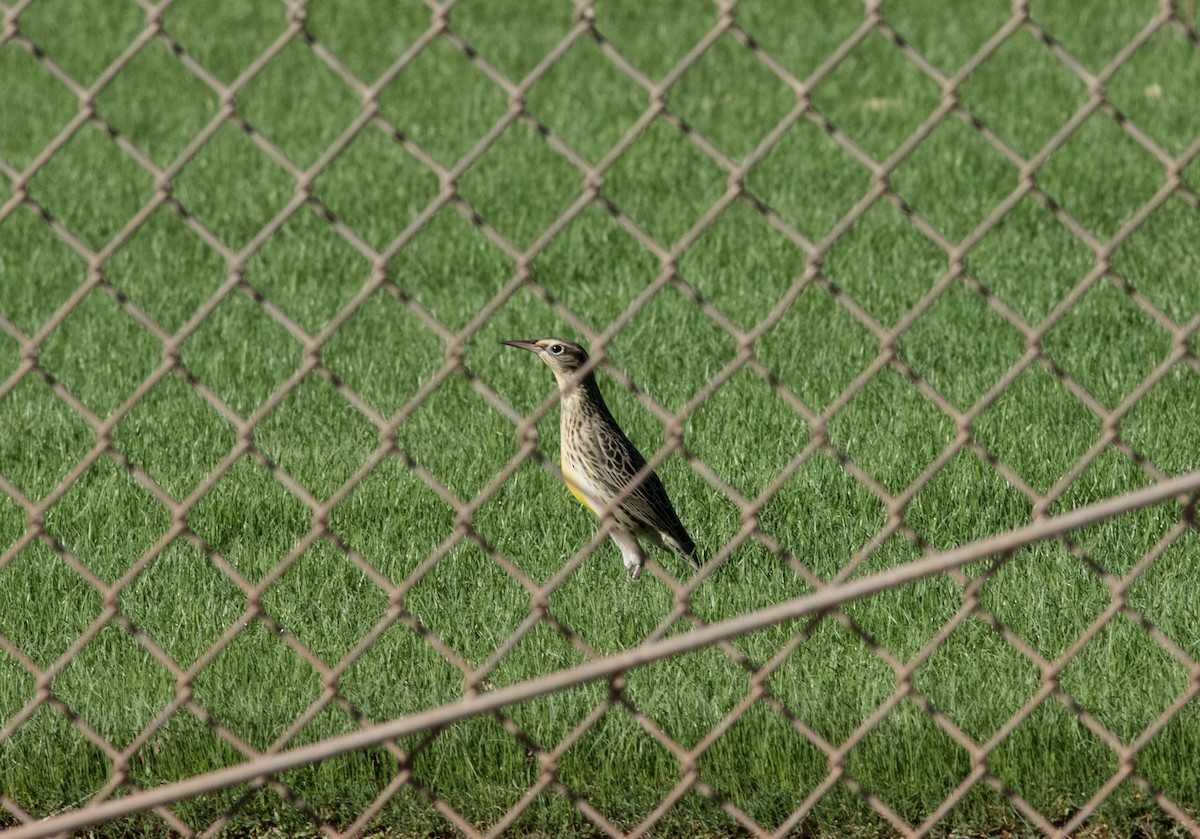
<point x="121" y="796"/>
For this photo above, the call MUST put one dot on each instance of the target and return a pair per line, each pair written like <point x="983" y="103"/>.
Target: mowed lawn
<point x="870" y="384"/>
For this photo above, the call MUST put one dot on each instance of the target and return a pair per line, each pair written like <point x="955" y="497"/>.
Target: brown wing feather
<point x="648" y="505"/>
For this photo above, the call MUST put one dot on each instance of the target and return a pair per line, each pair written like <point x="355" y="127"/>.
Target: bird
<point x="598" y="461"/>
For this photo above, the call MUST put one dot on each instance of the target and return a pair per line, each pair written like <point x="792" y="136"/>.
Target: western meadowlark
<point x="598" y="461"/>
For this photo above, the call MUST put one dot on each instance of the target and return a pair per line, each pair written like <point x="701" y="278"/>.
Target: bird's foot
<point x="631" y="553"/>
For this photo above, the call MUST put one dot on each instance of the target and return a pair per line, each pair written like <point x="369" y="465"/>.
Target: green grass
<point x="194" y="592"/>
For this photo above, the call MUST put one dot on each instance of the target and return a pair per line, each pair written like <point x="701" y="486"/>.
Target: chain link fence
<point x="264" y="768"/>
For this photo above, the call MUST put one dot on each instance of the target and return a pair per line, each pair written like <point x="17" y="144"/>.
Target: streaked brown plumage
<point x="598" y="461"/>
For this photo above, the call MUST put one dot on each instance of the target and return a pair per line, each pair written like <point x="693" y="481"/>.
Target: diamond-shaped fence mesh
<point x="908" y="291"/>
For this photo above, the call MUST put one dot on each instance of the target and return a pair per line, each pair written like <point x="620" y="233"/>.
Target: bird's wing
<point x="648" y="504"/>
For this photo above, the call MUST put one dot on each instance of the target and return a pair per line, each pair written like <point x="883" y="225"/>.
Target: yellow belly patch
<point x="579" y="495"/>
<point x="574" y="484"/>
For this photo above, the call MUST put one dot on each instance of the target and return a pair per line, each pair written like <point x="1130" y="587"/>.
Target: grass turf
<point x="257" y="687"/>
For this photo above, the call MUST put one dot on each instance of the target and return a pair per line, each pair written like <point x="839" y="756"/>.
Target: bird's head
<point x="564" y="357"/>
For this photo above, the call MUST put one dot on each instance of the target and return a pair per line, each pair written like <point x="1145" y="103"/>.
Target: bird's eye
<point x="556" y="349"/>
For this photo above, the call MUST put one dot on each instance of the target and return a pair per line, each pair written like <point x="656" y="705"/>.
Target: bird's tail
<point x="683" y="547"/>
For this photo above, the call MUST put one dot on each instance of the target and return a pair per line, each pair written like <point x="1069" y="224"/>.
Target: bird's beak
<point x="524" y="345"/>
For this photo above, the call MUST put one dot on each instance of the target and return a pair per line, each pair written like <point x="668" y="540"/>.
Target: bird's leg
<point x="631" y="552"/>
